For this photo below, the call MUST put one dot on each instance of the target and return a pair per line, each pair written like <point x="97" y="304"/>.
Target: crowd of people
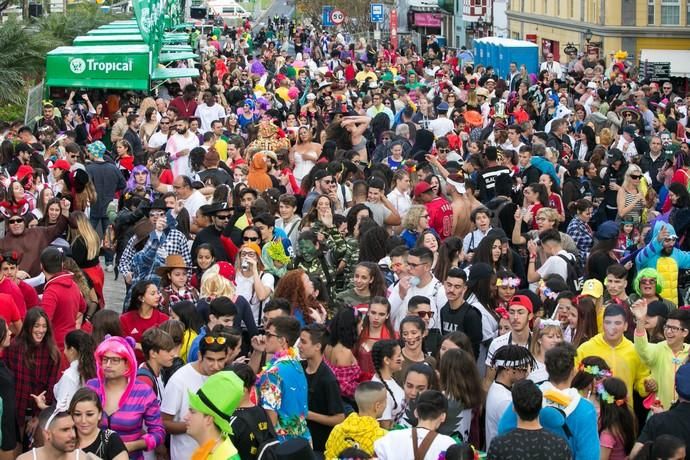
<point x="346" y="250"/>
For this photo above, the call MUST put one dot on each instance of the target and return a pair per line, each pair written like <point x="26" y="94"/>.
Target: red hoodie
<point x="62" y="302"/>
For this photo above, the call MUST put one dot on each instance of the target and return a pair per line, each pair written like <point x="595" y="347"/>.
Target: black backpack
<point x="575" y="276"/>
<point x="267" y="440"/>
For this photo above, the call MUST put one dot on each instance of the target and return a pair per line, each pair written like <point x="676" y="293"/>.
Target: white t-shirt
<point x="193" y="203"/>
<point x="497" y="401"/>
<point x="401" y="201"/>
<point x="176" y="403"/>
<point x="208" y="115"/>
<point x="158" y="140"/>
<point x="245" y="288"/>
<point x="397" y="444"/>
<point x="394" y="409"/>
<point x="434" y="291"/>
<point x="441" y="126"/>
<point x="556" y="265"/>
<point x="498" y="342"/>
<point x="177" y="143"/>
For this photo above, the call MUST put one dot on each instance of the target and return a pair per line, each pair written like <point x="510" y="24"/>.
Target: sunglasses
<point x="647" y="280"/>
<point x="251" y="238"/>
<point x="16" y="221"/>
<point x="635" y="176"/>
<point x="425" y="314"/>
<point x="223" y="217"/>
<point x="211" y="340"/>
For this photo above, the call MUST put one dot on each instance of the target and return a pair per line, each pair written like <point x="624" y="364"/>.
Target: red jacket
<point x="61" y="292"/>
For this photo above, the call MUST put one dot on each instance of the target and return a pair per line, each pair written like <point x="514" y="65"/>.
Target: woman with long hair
<point x="490" y="251"/>
<point x="367" y="282"/>
<point x="298" y="289"/>
<point x="138" y="183"/>
<point x="617" y="427"/>
<point x="460" y="383"/>
<point x="630" y="197"/>
<point x="86" y="247"/>
<point x="430" y="240"/>
<point x="376" y="326"/>
<point x="205" y="258"/>
<point x="417" y="378"/>
<point x="8" y="419"/>
<point x="387" y="359"/>
<point x="128" y="404"/>
<point x="253" y="282"/>
<point x="536" y="197"/>
<point x="34" y="359"/>
<point x="143" y="312"/>
<point x="105" y="322"/>
<point x="553" y="192"/>
<point x="506" y="287"/>
<point x="52" y="213"/>
<point x="582" y="322"/>
<point x="86" y="410"/>
<point x="579" y="229"/>
<point x="603" y="253"/>
<point x="186" y="313"/>
<point x="44" y="196"/>
<point x="480" y="294"/>
<point x="546" y="335"/>
<point x="590" y="373"/>
<point x="304" y="154"/>
<point x="448" y="257"/>
<point x="340" y="353"/>
<point x="412" y="332"/>
<point x="79" y="351"/>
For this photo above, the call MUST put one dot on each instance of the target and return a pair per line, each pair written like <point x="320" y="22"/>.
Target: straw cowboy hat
<point x="172" y="262"/>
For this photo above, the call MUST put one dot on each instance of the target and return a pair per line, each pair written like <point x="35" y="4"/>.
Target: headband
<point x="608" y="397"/>
<point x="548" y="322"/>
<point x="595" y="371"/>
<point x="513" y="282"/>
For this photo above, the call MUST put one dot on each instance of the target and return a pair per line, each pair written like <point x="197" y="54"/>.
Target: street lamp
<point x="588" y="35"/>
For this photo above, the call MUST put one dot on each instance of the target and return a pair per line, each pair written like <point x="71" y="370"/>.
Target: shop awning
<point x="127" y="31"/>
<point x="679" y="59"/>
<point x="172" y="57"/>
<point x="165" y="73"/>
<point x="115" y="67"/>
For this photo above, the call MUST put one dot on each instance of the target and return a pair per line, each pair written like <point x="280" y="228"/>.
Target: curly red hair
<point x="291" y="288"/>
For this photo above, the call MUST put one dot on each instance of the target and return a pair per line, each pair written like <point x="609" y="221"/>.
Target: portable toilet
<point x="494" y="52"/>
<point x="523" y="52"/>
<point x="480" y="50"/>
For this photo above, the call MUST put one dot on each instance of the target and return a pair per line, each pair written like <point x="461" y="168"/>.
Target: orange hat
<point x="253" y="246"/>
<point x="473" y="118"/>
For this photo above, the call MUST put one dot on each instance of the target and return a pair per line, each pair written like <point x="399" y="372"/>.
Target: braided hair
<point x="384" y="349"/>
<point x="512" y="357"/>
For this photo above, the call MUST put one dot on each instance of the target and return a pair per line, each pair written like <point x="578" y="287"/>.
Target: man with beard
<point x="661" y="255"/>
<point x="59" y="434"/>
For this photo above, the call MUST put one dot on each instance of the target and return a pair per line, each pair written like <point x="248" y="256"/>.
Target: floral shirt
<point x="282" y="388"/>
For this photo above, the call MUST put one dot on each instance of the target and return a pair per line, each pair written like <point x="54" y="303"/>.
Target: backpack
<point x="496" y="211"/>
<point x="146" y="373"/>
<point x="575" y="276"/>
<point x="267" y="439"/>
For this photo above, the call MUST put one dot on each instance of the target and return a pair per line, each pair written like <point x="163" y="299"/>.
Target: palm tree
<point x="21" y="60"/>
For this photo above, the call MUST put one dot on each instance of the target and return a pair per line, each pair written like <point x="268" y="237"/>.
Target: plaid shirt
<point x="42" y="376"/>
<point x="171" y="241"/>
<point x="581" y="234"/>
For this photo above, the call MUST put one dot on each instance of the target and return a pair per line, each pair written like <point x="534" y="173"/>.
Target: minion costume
<point x="218" y="397"/>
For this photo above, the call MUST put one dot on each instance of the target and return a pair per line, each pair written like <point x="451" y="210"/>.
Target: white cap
<point x="311" y="96"/>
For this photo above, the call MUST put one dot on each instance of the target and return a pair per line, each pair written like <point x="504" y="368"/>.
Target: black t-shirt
<point x="522" y="444"/>
<point x="250" y="428"/>
<point x="465" y="319"/>
<point x="675" y="422"/>
<point x="8" y="423"/>
<point x="324" y="398"/>
<point x="107" y="445"/>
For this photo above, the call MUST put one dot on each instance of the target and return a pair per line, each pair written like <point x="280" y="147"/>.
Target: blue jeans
<point x="100" y="224"/>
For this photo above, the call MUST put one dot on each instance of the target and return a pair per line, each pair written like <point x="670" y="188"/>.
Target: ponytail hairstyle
<point x="86" y="347"/>
<point x="381" y="350"/>
<point x="425" y="370"/>
<point x="615" y="415"/>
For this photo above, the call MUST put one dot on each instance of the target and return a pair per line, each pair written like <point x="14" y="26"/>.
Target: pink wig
<point x="124" y="348"/>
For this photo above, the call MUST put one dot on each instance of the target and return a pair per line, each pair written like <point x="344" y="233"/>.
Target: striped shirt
<point x="141" y="407"/>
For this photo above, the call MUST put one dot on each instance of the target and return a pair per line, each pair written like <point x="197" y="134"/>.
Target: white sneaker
<point x="109" y="268"/>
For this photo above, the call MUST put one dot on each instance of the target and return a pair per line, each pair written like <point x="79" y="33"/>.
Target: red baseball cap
<point x="422" y="187"/>
<point x="61" y="164"/>
<point x="522" y="301"/>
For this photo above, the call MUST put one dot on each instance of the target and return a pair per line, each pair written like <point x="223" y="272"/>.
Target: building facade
<point x="601" y="26"/>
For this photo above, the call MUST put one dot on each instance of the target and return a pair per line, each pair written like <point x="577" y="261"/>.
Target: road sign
<point x="337" y="17"/>
<point x="326" y="16"/>
<point x="376" y="12"/>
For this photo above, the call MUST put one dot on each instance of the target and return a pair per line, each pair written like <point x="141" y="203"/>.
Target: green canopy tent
<point x="127" y="31"/>
<point x="103" y="40"/>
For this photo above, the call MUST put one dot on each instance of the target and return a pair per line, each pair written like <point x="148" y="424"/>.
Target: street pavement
<point x="114" y="292"/>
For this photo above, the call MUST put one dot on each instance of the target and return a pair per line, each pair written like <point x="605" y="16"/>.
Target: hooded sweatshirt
<point x="561" y="410"/>
<point x="61" y="291"/>
<point x="667" y="265"/>
<point x="354" y="431"/>
<point x="623" y="359"/>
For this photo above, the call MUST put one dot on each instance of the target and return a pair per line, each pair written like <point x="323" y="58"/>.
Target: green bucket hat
<point x="218" y="397"/>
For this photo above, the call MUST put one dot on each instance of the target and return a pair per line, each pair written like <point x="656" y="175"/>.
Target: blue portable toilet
<point x="521" y="52"/>
<point x="479" y="50"/>
<point x="495" y="52"/>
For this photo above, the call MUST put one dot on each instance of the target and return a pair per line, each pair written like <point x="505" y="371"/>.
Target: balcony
<point x="472" y="10"/>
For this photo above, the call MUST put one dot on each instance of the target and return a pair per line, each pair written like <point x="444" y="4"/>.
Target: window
<point x="687" y="14"/>
<point x="650" y="12"/>
<point x="670" y="12"/>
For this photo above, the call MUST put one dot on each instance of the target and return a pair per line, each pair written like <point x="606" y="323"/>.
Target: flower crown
<point x="595" y="371"/>
<point x="513" y="282"/>
<point x="608" y="397"/>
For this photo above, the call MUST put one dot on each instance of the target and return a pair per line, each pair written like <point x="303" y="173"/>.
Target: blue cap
<point x="683" y="382"/>
<point x="607" y="231"/>
<point x="442" y="107"/>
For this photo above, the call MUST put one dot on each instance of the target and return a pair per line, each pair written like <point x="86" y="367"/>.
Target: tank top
<point x="635" y="213"/>
<point x="302" y="167"/>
